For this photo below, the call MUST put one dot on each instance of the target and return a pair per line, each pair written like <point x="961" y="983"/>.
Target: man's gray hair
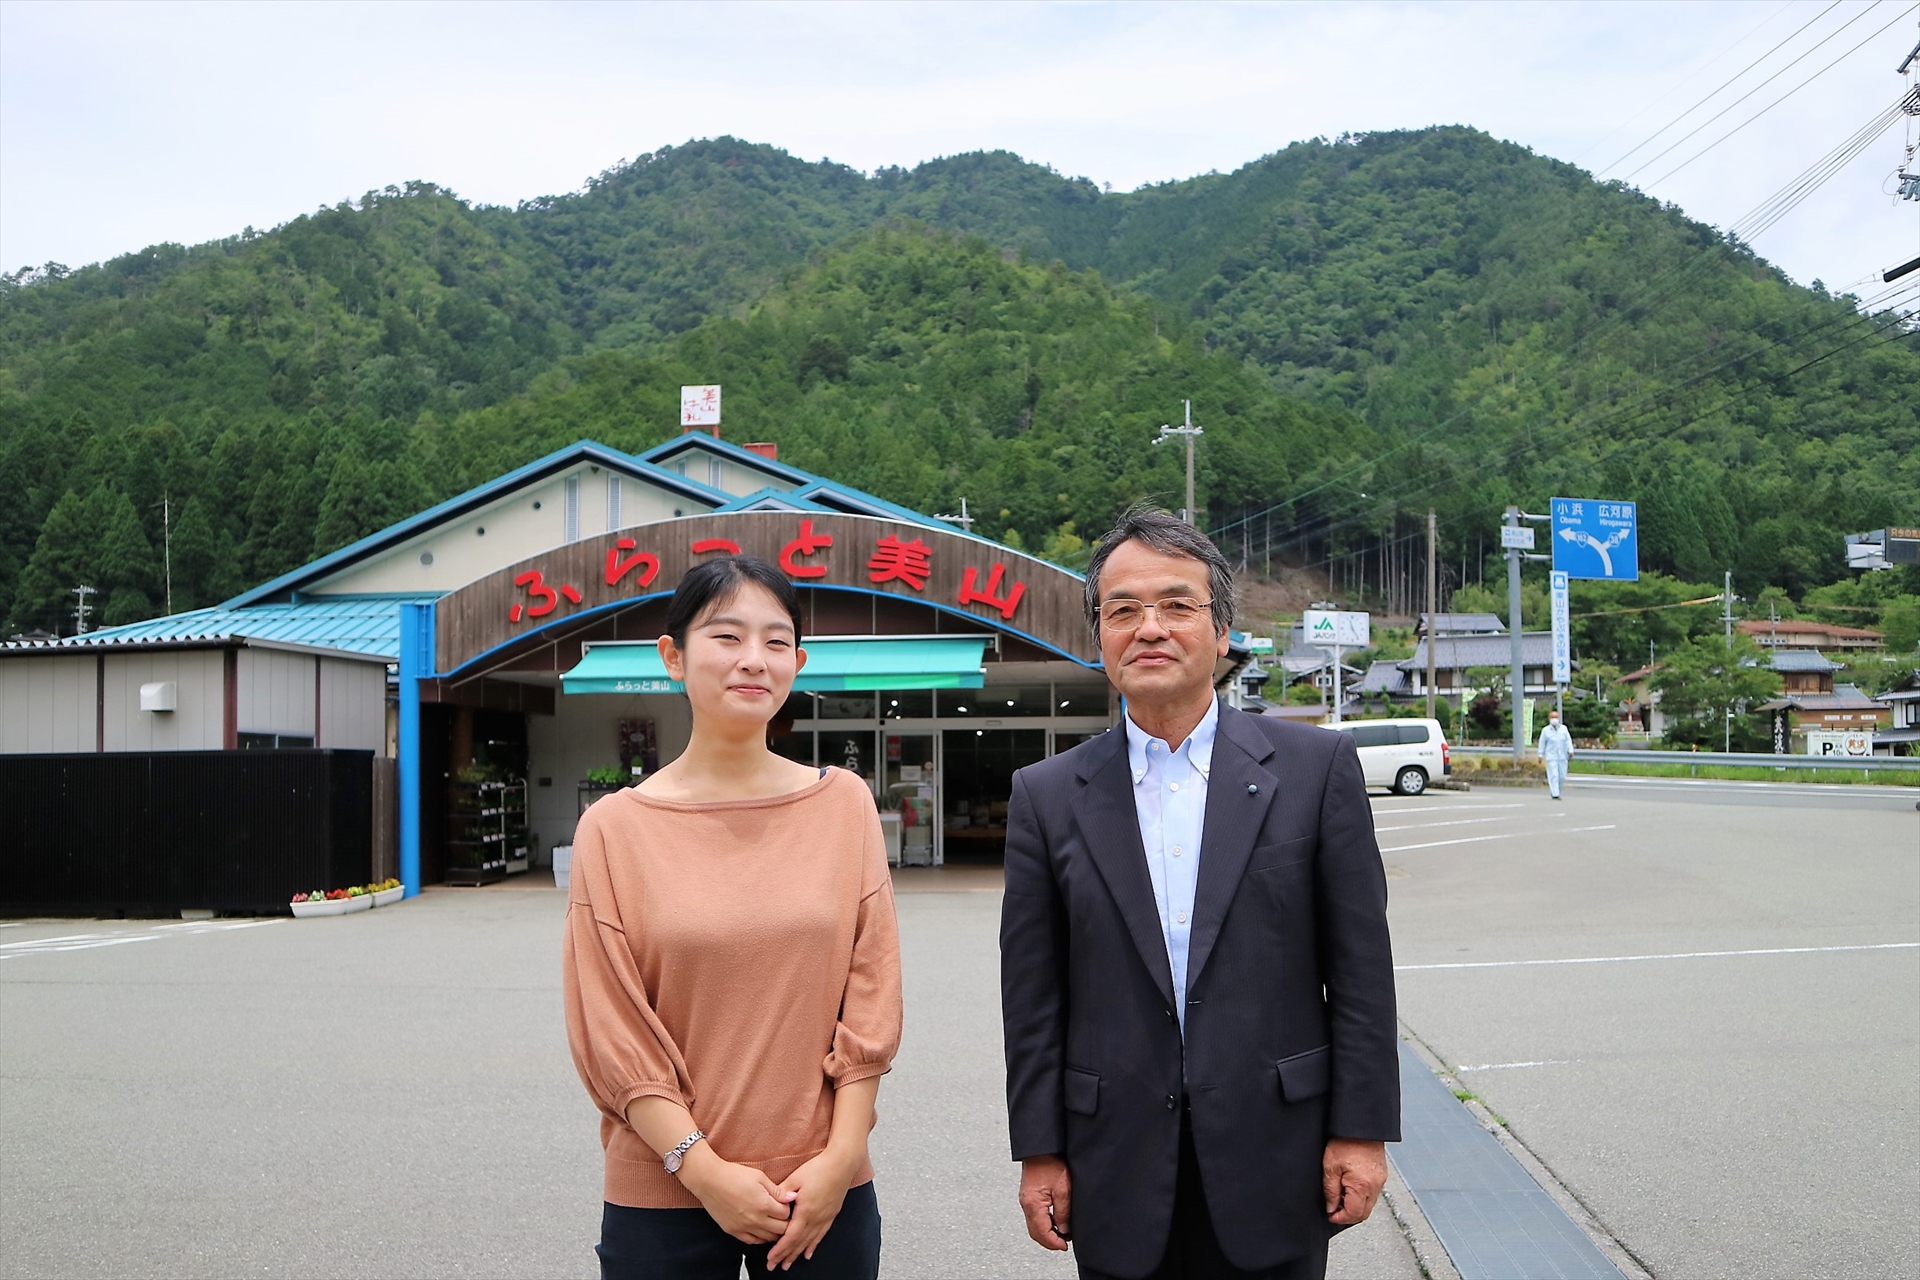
<point x="1169" y="534"/>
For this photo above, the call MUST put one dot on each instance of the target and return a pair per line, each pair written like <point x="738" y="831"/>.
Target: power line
<point x="1640" y="408"/>
<point x="1584" y="421"/>
<point x="1731" y="80"/>
<point x="1777" y="101"/>
<point x="1691" y="76"/>
<point x="1757" y="88"/>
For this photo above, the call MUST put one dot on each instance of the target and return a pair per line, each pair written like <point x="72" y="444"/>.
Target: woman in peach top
<point x="732" y="971"/>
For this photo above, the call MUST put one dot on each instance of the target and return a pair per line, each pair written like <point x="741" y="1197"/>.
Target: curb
<point x="1576" y="1209"/>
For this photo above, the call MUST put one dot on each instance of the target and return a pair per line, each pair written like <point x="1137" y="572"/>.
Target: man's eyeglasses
<point x="1177" y="613"/>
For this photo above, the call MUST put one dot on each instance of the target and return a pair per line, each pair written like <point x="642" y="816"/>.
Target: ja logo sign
<point x="1595" y="539"/>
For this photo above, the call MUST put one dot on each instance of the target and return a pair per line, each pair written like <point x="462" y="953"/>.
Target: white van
<point x="1399" y="754"/>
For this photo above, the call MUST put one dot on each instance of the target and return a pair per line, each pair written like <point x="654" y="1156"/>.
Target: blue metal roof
<point x="356" y="624"/>
<point x="745" y="457"/>
<point x="559" y="459"/>
<point x="772" y="499"/>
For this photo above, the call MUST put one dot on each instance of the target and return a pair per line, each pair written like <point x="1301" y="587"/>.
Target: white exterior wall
<point x="353" y="705"/>
<point x="48" y="703"/>
<point x="514" y="530"/>
<point x="276" y="692"/>
<point x="198" y="717"/>
<point x="582" y="734"/>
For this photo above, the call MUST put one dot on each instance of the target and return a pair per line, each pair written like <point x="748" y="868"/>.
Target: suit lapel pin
<point x="1253" y="789"/>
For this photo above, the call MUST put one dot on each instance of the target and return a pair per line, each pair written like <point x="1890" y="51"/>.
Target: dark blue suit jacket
<point x="1290" y="1034"/>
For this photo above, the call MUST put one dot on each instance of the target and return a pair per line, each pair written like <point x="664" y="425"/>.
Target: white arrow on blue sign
<point x="1596" y="539"/>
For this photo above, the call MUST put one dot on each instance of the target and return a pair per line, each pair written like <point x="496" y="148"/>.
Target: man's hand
<point x="819" y="1188"/>
<point x="1046" y="1197"/>
<point x="1352" y="1175"/>
<point x="739" y="1197"/>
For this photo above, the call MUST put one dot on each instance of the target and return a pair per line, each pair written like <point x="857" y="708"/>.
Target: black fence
<point x="151" y="833"/>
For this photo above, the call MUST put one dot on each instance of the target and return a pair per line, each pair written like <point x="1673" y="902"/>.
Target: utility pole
<point x="1726" y="615"/>
<point x="1433" y="601"/>
<point x="82" y="609"/>
<point x="964" y="520"/>
<point x="1189" y="431"/>
<point x="166" y="527"/>
<point x="1517" y="544"/>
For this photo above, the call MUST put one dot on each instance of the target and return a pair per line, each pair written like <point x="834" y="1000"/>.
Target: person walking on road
<point x="1196" y="976"/>
<point x="732" y="971"/>
<point x="1556" y="749"/>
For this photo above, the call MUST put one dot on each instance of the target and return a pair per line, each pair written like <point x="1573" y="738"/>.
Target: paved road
<point x="388" y="1094"/>
<point x="1753" y="1110"/>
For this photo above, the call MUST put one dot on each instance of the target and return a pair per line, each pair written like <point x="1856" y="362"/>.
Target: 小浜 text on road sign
<point x="1596" y="539"/>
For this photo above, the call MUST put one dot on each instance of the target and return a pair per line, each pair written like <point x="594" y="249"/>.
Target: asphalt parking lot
<point x="1697" y="1004"/>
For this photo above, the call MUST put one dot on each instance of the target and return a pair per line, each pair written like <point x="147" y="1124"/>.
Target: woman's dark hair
<point x="716" y="580"/>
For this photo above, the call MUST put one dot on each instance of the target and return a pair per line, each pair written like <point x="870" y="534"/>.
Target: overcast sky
<point x="123" y="125"/>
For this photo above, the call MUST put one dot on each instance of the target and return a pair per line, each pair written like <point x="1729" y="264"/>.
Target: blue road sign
<point x="1595" y="539"/>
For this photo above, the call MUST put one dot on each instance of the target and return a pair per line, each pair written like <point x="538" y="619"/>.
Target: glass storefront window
<point x="843" y="706"/>
<point x="906" y="704"/>
<point x="849" y="750"/>
<point x="997" y="702"/>
<point x="795" y="746"/>
<point x="1080" y="699"/>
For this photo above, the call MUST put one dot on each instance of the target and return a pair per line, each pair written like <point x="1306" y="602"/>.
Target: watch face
<point x="673" y="1159"/>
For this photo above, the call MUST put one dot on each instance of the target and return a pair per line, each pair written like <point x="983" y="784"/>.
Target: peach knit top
<point x="740" y="957"/>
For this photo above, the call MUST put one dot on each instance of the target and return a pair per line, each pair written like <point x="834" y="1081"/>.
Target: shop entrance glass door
<point x="977" y="767"/>
<point x="912" y="792"/>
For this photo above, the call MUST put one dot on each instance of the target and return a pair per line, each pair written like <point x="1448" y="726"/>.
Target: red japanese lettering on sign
<point x="536" y="585"/>
<point x="908" y="562"/>
<point x="727" y="545"/>
<point x="618" y="568"/>
<point x="806" y="544"/>
<point x="972" y="593"/>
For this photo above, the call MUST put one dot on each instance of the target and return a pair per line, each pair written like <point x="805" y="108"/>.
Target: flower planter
<point x="362" y="903"/>
<point x="330" y="907"/>
<point x="384" y="897"/>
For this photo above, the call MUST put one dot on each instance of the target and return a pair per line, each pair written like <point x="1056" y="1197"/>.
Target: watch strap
<point x="672" y="1160"/>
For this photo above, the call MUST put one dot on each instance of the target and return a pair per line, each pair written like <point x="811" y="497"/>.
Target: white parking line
<point x="1676" y="955"/>
<point x="1435" y="844"/>
<point x="1464" y="807"/>
<point x="1451" y="822"/>
<point x="153" y="933"/>
<point x="1514" y="1066"/>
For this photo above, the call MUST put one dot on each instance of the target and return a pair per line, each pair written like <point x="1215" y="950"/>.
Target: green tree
<point x="1706" y="682"/>
<point x="129" y="570"/>
<point x="65" y="555"/>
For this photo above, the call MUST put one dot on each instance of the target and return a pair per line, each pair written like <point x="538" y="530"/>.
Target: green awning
<point x="860" y="663"/>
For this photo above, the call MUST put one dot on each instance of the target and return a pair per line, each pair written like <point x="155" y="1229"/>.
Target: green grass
<point x="1750" y="773"/>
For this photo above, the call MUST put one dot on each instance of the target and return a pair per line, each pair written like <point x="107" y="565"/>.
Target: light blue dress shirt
<point x="1170" y="801"/>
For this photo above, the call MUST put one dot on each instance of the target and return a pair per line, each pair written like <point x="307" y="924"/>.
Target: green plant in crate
<point x="609" y="775"/>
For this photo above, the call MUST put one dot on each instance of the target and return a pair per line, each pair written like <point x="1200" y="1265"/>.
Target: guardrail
<point x="1748" y="759"/>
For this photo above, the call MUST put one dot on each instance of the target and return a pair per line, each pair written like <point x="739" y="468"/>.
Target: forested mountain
<point x="1366" y="327"/>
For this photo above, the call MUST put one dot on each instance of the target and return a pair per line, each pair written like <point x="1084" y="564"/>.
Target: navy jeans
<point x="687" y="1244"/>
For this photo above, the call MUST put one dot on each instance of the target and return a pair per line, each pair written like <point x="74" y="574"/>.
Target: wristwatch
<point x="672" y="1160"/>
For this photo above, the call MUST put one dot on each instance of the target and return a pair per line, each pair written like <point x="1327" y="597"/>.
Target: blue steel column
<point x="416" y="664"/>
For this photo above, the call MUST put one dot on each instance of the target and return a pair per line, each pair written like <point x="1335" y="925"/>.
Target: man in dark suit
<point x="1196" y="980"/>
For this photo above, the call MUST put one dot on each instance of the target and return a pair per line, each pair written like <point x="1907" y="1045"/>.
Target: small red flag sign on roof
<point x="700" y="406"/>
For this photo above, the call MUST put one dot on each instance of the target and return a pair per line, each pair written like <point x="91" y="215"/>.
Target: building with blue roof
<point x="454" y="646"/>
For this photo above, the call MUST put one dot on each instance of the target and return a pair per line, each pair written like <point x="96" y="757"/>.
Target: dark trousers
<point x="687" y="1244"/>
<point x="1193" y="1252"/>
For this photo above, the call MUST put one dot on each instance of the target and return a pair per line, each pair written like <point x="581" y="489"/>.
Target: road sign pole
<point x="1433" y="602"/>
<point x="1336" y="684"/>
<point x="1516" y="673"/>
